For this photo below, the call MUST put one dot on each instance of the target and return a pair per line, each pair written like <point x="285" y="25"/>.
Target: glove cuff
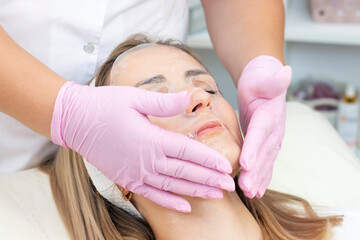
<point x="57" y="119"/>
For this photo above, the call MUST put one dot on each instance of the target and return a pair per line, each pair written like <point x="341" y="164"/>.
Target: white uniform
<point x="73" y="38"/>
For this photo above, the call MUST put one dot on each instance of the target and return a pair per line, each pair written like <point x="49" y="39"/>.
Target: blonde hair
<point x="87" y="215"/>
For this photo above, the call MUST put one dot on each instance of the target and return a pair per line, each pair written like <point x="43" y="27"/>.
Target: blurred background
<point x="322" y="44"/>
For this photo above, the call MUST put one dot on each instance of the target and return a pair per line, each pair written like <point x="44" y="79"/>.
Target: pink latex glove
<point x="109" y="127"/>
<point x="261" y="99"/>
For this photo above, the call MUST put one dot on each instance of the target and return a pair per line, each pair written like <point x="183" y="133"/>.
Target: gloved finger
<point x="194" y="173"/>
<point x="268" y="169"/>
<point x="249" y="181"/>
<point x="260" y="183"/>
<point x="264" y="184"/>
<point x="162" y="198"/>
<point x="260" y="126"/>
<point x="275" y="84"/>
<point x="257" y="179"/>
<point x="246" y="182"/>
<point x="182" y="187"/>
<point x="264" y="179"/>
<point x="161" y="104"/>
<point x="179" y="146"/>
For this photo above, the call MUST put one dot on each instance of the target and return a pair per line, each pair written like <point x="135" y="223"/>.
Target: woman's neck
<point x="227" y="218"/>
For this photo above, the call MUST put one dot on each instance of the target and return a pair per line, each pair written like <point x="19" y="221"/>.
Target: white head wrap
<point x="107" y="188"/>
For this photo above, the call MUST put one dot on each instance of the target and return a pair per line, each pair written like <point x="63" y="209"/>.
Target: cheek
<point x="161" y="122"/>
<point x="175" y="124"/>
<point x="228" y="116"/>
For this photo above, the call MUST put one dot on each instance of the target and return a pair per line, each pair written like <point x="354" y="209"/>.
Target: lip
<point x="208" y="128"/>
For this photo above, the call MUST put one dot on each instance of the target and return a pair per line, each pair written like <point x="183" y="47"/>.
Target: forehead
<point x="150" y="61"/>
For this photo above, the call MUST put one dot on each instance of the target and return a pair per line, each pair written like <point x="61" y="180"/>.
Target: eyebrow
<point x="161" y="78"/>
<point x="156" y="79"/>
<point x="195" y="72"/>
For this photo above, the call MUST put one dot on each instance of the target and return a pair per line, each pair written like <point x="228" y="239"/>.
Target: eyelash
<point x="211" y="92"/>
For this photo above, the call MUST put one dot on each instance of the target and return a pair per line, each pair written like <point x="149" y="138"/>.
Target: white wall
<point x="336" y="61"/>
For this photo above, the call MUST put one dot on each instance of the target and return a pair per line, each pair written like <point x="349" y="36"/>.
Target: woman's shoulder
<point x="349" y="229"/>
<point x="26" y="200"/>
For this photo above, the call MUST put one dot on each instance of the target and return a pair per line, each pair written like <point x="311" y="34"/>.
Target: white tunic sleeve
<point x="73" y="38"/>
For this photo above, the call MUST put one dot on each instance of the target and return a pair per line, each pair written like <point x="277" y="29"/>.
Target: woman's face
<point x="209" y="118"/>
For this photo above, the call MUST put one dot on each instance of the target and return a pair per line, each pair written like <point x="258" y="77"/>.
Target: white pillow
<point x="315" y="163"/>
<point x="27" y="207"/>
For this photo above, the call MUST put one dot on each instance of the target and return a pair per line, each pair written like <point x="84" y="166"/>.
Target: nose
<point x="199" y="100"/>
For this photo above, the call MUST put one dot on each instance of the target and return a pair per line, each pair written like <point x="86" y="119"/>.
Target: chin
<point x="227" y="146"/>
<point x="232" y="153"/>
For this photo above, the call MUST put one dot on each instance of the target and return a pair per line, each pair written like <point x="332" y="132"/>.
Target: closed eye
<point x="211" y="91"/>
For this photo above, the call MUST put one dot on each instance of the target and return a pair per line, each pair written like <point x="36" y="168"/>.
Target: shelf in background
<point x="300" y="28"/>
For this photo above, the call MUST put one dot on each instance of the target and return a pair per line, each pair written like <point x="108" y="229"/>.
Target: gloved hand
<point x="261" y="99"/>
<point x="109" y="127"/>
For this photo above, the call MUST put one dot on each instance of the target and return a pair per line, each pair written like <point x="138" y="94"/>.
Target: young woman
<point x="168" y="67"/>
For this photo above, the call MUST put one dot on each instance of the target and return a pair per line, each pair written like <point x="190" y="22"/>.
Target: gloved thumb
<point x="161" y="104"/>
<point x="275" y="84"/>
